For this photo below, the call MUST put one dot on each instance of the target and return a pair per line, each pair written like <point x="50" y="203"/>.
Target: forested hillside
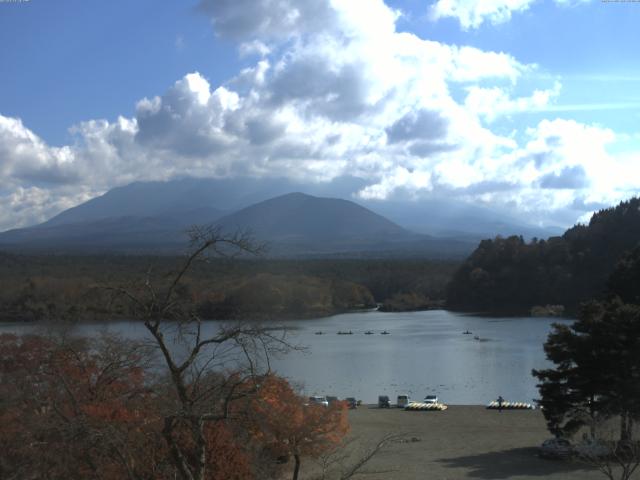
<point x="509" y="275"/>
<point x="75" y="287"/>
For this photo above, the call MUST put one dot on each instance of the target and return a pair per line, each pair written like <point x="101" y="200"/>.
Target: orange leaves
<point x="288" y="425"/>
<point x="228" y="460"/>
<point x="75" y="408"/>
<point x="67" y="408"/>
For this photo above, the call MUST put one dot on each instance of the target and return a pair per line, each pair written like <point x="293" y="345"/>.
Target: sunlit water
<point x="424" y="353"/>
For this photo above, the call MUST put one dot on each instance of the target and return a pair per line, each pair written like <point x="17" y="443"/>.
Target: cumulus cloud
<point x="270" y="19"/>
<point x="473" y="13"/>
<point x="328" y="93"/>
<point x="25" y="157"/>
<point x="493" y="102"/>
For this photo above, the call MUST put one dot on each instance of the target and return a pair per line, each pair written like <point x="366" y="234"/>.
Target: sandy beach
<point x="463" y="442"/>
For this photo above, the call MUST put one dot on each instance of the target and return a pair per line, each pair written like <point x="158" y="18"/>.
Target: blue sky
<point x="527" y="106"/>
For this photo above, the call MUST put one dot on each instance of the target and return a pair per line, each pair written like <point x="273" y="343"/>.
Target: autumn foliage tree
<point x="74" y="408"/>
<point x="209" y="409"/>
<point x="288" y="427"/>
<point x="209" y="370"/>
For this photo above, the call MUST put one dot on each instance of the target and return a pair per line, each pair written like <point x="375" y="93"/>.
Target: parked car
<point x="316" y="400"/>
<point x="402" y="401"/>
<point x="431" y="399"/>
<point x="555" y="448"/>
<point x="352" y="403"/>
<point x="383" y="401"/>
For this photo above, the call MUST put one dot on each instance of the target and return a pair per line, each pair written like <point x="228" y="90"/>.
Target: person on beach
<point x="500" y="400"/>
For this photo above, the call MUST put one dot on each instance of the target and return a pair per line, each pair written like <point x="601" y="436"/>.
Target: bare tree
<point x="602" y="448"/>
<point x="210" y="370"/>
<point x="349" y="458"/>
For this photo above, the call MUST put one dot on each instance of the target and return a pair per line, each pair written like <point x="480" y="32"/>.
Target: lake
<point x="424" y="353"/>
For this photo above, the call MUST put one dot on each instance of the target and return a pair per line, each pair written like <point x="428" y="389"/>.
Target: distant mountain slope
<point x="432" y="216"/>
<point x="453" y="218"/>
<point x="154" y="215"/>
<point x="146" y="199"/>
<point x="300" y="216"/>
<point x="130" y="234"/>
<point x="294" y="224"/>
<point x="300" y="224"/>
<point x="511" y="275"/>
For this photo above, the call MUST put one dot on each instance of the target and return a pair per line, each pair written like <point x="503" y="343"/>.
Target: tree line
<point x="72" y="287"/>
<point x="511" y="275"/>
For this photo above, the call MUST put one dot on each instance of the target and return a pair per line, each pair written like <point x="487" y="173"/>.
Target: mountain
<point x="300" y="224"/>
<point x="153" y="216"/>
<point x="452" y="218"/>
<point x="433" y="216"/>
<point x="294" y="224"/>
<point x="130" y="234"/>
<point x="511" y="275"/>
<point x="154" y="199"/>
<point x="301" y="217"/>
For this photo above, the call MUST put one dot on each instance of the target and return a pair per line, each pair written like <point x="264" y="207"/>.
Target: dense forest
<point x="509" y="275"/>
<point x="78" y="287"/>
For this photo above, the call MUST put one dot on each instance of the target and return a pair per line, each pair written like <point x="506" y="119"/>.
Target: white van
<point x="403" y="401"/>
<point x="317" y="400"/>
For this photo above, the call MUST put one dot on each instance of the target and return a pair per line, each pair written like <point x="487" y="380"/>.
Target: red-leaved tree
<point x="287" y="426"/>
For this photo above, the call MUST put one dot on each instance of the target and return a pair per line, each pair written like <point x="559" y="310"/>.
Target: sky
<point x="529" y="107"/>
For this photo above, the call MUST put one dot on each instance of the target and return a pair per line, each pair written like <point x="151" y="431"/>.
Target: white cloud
<point x="25" y="157"/>
<point x="494" y="102"/>
<point x="473" y="13"/>
<point x="332" y="93"/>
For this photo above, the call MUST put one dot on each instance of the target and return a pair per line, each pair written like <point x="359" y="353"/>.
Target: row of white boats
<point x="495" y="405"/>
<point x="349" y="332"/>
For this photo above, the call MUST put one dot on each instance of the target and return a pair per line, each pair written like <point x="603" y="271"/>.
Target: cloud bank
<point x="332" y="92"/>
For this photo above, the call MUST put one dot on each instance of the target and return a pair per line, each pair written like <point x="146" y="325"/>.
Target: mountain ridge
<point x="433" y="216"/>
<point x="294" y="224"/>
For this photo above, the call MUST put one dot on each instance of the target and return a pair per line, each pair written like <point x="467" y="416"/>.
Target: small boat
<point x="466" y="332"/>
<point x="476" y="337"/>
<point x="368" y="332"/>
<point x="384" y="333"/>
<point x="319" y="333"/>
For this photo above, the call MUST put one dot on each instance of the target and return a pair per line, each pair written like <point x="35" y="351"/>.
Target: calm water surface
<point x="424" y="353"/>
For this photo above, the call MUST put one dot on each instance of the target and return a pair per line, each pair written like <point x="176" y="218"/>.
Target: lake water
<point x="424" y="353"/>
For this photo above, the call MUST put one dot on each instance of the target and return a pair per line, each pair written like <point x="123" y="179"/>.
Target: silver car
<point x="316" y="400"/>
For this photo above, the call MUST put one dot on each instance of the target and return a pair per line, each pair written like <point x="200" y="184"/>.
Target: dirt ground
<point x="463" y="442"/>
